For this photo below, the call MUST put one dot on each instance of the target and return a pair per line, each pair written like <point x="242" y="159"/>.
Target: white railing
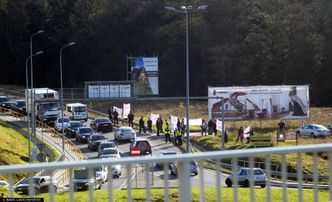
<point x="184" y="182"/>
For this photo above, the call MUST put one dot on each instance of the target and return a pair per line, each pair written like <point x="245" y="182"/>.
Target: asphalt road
<point x="138" y="175"/>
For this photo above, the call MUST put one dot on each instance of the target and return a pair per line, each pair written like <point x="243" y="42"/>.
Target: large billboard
<point x="259" y="102"/>
<point x="144" y="72"/>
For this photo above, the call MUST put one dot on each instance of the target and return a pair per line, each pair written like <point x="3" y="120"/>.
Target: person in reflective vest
<point x="167" y="132"/>
<point x="177" y="135"/>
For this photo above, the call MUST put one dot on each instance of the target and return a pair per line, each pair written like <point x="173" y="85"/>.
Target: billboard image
<point x="259" y="102"/>
<point x="144" y="73"/>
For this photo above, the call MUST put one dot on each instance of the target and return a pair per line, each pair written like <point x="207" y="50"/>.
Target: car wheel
<point x="228" y="183"/>
<point x="263" y="185"/>
<point x="246" y="183"/>
<point x="55" y="189"/>
<point x="313" y="135"/>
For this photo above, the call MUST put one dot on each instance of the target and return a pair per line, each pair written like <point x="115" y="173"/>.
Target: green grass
<point x="210" y="195"/>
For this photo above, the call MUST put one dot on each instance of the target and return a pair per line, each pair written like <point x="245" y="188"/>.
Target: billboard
<point x="259" y="102"/>
<point x="144" y="72"/>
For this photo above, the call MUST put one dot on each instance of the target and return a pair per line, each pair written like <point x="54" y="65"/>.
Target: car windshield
<point x="259" y="172"/>
<point x="85" y="130"/>
<point x="125" y="130"/>
<point x="65" y="120"/>
<point x="102" y="120"/>
<point x="26" y="181"/>
<point x="97" y="137"/>
<point x="51" y="106"/>
<point x="76" y="124"/>
<point x="106" y="145"/>
<point x="320" y="127"/>
<point x="110" y="151"/>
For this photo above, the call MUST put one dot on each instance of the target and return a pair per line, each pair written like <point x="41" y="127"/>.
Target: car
<point x="102" y="125"/>
<point x="102" y="173"/>
<point x="82" y="180"/>
<point x="173" y="166"/>
<point x="116" y="170"/>
<point x="19" y="106"/>
<point x="3" y="98"/>
<point x="313" y="130"/>
<point x="4" y="184"/>
<point x="58" y="123"/>
<point x="94" y="141"/>
<point x="8" y="104"/>
<point x="72" y="128"/>
<point x="105" y="144"/>
<point x="142" y="143"/>
<point x="164" y="153"/>
<point x="243" y="176"/>
<point x="40" y="185"/>
<point x="109" y="153"/>
<point x="124" y="133"/>
<point x="82" y="134"/>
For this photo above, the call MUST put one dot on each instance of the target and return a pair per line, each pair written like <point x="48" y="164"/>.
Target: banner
<point x="119" y="110"/>
<point x="126" y="110"/>
<point x="144" y="73"/>
<point x="154" y="118"/>
<point x="259" y="102"/>
<point x="193" y="122"/>
<point x="174" y="121"/>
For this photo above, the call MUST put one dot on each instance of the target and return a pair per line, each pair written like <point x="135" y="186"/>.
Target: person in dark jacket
<point x="131" y="119"/>
<point x="141" y="125"/>
<point x="149" y="123"/>
<point x="115" y="117"/>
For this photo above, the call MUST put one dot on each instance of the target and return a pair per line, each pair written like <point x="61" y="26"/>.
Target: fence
<point x="184" y="182"/>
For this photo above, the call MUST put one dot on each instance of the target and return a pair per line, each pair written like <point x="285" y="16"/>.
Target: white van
<point x="78" y="111"/>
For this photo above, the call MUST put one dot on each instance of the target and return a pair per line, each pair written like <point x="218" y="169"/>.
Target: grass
<point x="13" y="149"/>
<point x="210" y="195"/>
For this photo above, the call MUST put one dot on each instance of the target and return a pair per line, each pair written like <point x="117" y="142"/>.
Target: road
<point x="138" y="175"/>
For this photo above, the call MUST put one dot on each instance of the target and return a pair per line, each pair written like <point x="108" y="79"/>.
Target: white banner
<point x="154" y="118"/>
<point x="126" y="110"/>
<point x="119" y="110"/>
<point x="193" y="122"/>
<point x="219" y="125"/>
<point x="174" y="121"/>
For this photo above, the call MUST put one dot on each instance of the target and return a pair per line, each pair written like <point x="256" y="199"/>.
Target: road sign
<point x="135" y="151"/>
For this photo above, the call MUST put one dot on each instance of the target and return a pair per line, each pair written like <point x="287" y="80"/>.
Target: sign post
<point x="135" y="151"/>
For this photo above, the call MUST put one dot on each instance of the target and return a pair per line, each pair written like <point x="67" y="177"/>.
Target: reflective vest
<point x="167" y="129"/>
<point x="178" y="133"/>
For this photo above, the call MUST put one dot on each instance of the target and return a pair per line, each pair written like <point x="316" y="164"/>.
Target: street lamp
<point x="187" y="10"/>
<point x="27" y="100"/>
<point x="61" y="98"/>
<point x="33" y="126"/>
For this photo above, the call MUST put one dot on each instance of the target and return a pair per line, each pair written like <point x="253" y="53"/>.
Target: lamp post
<point x="187" y="10"/>
<point x="27" y="100"/>
<point x="33" y="126"/>
<point x="61" y="98"/>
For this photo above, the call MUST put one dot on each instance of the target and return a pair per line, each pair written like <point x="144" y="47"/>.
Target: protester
<point x="115" y="117"/>
<point x="204" y="127"/>
<point x="157" y="126"/>
<point x="167" y="132"/>
<point x="210" y="126"/>
<point x="149" y="124"/>
<point x="141" y="125"/>
<point x="110" y="115"/>
<point x="130" y="119"/>
<point x="240" y="135"/>
<point x="282" y="127"/>
<point x="214" y="127"/>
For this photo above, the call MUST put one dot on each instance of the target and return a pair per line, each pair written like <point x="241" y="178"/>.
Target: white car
<point x="58" y="123"/>
<point x="4" y="184"/>
<point x="102" y="172"/>
<point x="124" y="133"/>
<point x="313" y="130"/>
<point x="243" y="177"/>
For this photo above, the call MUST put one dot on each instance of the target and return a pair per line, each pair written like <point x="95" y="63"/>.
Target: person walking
<point x="141" y="125"/>
<point x="214" y="125"/>
<point x="282" y="127"/>
<point x="210" y="126"/>
<point x="177" y="135"/>
<point x="115" y="117"/>
<point x="204" y="127"/>
<point x="130" y="118"/>
<point x="149" y="124"/>
<point x="239" y="135"/>
<point x="110" y="115"/>
<point x="157" y="126"/>
<point x="167" y="132"/>
<point x="161" y="122"/>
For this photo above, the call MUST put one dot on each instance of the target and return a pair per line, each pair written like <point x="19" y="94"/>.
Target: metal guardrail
<point x="185" y="187"/>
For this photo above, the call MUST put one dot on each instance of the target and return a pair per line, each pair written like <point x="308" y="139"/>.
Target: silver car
<point x="174" y="167"/>
<point x="124" y="133"/>
<point x="58" y="123"/>
<point x="313" y="130"/>
<point x="243" y="176"/>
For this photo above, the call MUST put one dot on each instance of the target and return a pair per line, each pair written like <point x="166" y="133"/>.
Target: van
<point x="78" y="111"/>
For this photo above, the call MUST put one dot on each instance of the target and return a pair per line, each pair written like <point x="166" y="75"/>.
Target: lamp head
<point x="169" y="8"/>
<point x="40" y="31"/>
<point x="71" y="43"/>
<point x="202" y="7"/>
<point x="39" y="52"/>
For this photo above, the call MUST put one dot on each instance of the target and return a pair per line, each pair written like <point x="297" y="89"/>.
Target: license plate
<point x="78" y="187"/>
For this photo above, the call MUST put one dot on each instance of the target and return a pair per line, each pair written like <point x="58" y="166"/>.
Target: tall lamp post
<point x="27" y="100"/>
<point x="187" y="10"/>
<point x="61" y="98"/>
<point x="33" y="121"/>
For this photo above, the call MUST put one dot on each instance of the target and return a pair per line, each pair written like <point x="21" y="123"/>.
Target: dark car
<point x="40" y="184"/>
<point x="94" y="141"/>
<point x="72" y="128"/>
<point x="8" y="104"/>
<point x="19" y="106"/>
<point x="102" y="125"/>
<point x="174" y="167"/>
<point x="142" y="143"/>
<point x="83" y="134"/>
<point x="3" y="98"/>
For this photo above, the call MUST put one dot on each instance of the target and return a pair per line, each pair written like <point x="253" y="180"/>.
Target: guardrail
<point x="184" y="170"/>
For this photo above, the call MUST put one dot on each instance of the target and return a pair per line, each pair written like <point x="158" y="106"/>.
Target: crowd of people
<point x="244" y="135"/>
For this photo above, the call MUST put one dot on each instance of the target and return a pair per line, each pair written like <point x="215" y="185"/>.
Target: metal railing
<point x="184" y="172"/>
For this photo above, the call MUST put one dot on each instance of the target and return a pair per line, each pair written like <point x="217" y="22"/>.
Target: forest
<point x="242" y="42"/>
